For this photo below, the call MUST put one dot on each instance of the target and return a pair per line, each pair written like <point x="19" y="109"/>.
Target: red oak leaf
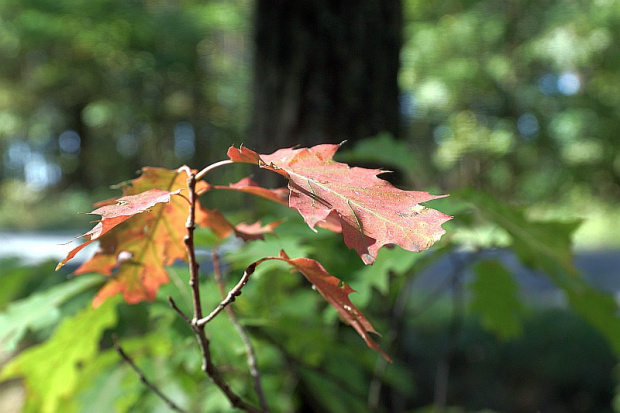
<point x="247" y="185"/>
<point x="371" y="211"/>
<point x="133" y="252"/>
<point x="336" y="292"/>
<point x="279" y="195"/>
<point x="214" y="220"/>
<point x="222" y="228"/>
<point x="255" y="231"/>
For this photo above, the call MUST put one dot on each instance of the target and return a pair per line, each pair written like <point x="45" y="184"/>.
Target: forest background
<point x="512" y="107"/>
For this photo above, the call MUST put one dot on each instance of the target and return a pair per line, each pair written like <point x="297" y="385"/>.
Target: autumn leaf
<point x="113" y="215"/>
<point x="279" y="195"/>
<point x="336" y="292"/>
<point x="371" y="212"/>
<point x="222" y="228"/>
<point x="255" y="231"/>
<point x="134" y="255"/>
<point x="247" y="185"/>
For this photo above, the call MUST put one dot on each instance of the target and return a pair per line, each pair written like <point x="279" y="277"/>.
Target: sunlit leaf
<point x="38" y="311"/>
<point x="372" y="212"/>
<point x="51" y="370"/>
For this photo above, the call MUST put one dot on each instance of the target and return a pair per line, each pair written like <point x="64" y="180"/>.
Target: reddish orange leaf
<point x="113" y="215"/>
<point x="247" y="185"/>
<point x="279" y="195"/>
<point x="336" y="292"/>
<point x="222" y="228"/>
<point x="134" y="255"/>
<point x="213" y="219"/>
<point x="371" y="211"/>
<point x="255" y="231"/>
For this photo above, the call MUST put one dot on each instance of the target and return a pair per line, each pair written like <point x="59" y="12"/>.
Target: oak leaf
<point x="222" y="228"/>
<point x="134" y="255"/>
<point x="371" y="212"/>
<point x="247" y="185"/>
<point x="336" y="292"/>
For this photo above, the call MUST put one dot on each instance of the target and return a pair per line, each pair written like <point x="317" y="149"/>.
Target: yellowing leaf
<point x="51" y="370"/>
<point x="133" y="252"/>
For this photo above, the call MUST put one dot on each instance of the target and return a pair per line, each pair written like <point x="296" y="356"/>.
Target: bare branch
<point x="232" y="295"/>
<point x="191" y="251"/>
<point x="178" y="310"/>
<point x="142" y="377"/>
<point x="207" y="362"/>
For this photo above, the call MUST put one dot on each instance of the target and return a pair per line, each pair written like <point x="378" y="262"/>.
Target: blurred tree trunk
<point x="325" y="71"/>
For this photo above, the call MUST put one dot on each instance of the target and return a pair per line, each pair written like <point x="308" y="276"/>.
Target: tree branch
<point x="207" y="362"/>
<point x="142" y="377"/>
<point x="232" y="295"/>
<point x="178" y="310"/>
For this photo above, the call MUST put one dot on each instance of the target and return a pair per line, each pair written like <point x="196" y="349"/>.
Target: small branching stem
<point x="143" y="379"/>
<point x="230" y="297"/>
<point x="199" y="328"/>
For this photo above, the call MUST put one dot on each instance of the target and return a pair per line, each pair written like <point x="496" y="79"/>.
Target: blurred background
<point x="519" y="99"/>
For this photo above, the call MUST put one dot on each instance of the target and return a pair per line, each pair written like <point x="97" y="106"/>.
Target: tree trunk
<point x="325" y="71"/>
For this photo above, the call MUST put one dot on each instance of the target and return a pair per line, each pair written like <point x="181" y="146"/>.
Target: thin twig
<point x="207" y="362"/>
<point x="178" y="310"/>
<point x="142" y="377"/>
<point x="232" y="295"/>
<point x="249" y="348"/>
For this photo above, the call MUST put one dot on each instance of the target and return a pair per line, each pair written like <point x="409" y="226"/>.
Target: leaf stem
<point x="211" y="167"/>
<point x="143" y="379"/>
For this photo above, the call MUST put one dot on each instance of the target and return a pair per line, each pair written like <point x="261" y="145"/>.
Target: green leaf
<point x="543" y="246"/>
<point x="389" y="260"/>
<point x="598" y="308"/>
<point x="495" y="299"/>
<point x="52" y="370"/>
<point x="40" y="310"/>
<point x="14" y="276"/>
<point x="546" y="246"/>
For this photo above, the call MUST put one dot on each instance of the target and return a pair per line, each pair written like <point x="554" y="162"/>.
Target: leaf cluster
<point x="300" y="348"/>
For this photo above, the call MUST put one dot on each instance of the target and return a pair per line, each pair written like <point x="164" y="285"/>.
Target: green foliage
<point x="304" y="359"/>
<point x="515" y="100"/>
<point x="477" y="73"/>
<point x="496" y="299"/>
<point x="125" y="76"/>
<point x="52" y="370"/>
<point x="546" y="247"/>
<point x="39" y="310"/>
<point x="559" y="361"/>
